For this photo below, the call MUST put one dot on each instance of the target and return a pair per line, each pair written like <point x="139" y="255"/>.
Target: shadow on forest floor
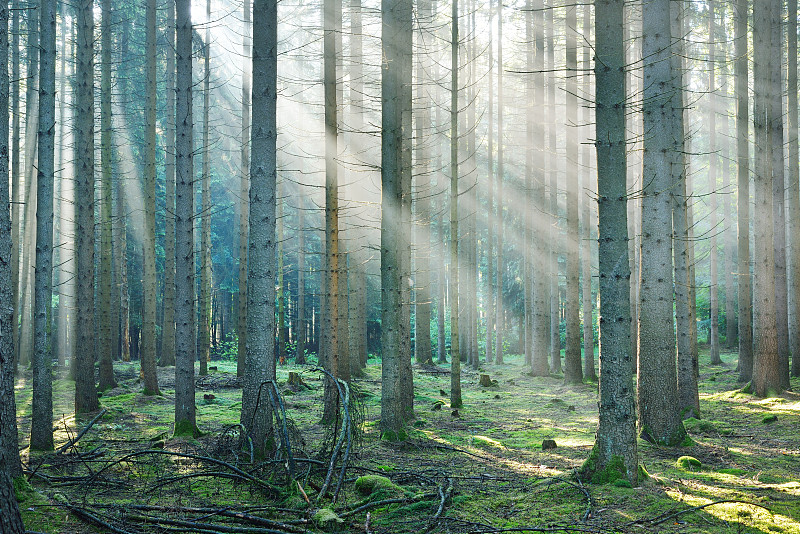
<point x="480" y="470"/>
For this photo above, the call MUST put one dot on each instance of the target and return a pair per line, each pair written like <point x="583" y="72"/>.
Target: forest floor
<point x="481" y="469"/>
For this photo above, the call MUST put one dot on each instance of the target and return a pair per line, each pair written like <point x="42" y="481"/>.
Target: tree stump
<point x="549" y="444"/>
<point x="296" y="381"/>
<point x="486" y="381"/>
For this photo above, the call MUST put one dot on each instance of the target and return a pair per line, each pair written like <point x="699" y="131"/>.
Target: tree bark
<point x="396" y="31"/>
<point x="185" y="329"/>
<point x="85" y="392"/>
<point x="168" y="324"/>
<point x="616" y="433"/>
<point x="775" y="122"/>
<point x="688" y="397"/>
<point x="15" y="171"/>
<point x="205" y="225"/>
<point x="260" y="363"/>
<point x="500" y="304"/>
<point x="422" y="283"/>
<point x="9" y="447"/>
<point x="455" y="355"/>
<point x="713" y="297"/>
<point x="244" y="191"/>
<point x="745" y="296"/>
<point x="42" y="404"/>
<point x="331" y="21"/>
<point x="766" y="359"/>
<point x="573" y="373"/>
<point x="148" y="353"/>
<point x="104" y="291"/>
<point x="659" y="418"/>
<point x="552" y="169"/>
<point x="794" y="183"/>
<point x="587" y="219"/>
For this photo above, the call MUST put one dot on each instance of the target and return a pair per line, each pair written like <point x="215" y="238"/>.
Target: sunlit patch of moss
<point x="690" y="463"/>
<point x="484" y="442"/>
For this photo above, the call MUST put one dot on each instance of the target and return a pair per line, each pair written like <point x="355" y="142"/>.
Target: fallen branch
<point x="254" y="519"/>
<point x="77" y="438"/>
<point x="661" y="519"/>
<point x="88" y="517"/>
<point x="209" y="459"/>
<point x="191" y="525"/>
<point x="395" y="500"/>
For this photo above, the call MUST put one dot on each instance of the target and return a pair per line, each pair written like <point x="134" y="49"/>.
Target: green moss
<point x="687" y="441"/>
<point x="327" y="519"/>
<point x="622" y="483"/>
<point x="731" y="471"/>
<point x="643" y="474"/>
<point x="185" y="429"/>
<point x="369" y="484"/>
<point x="22" y="489"/>
<point x="483" y="442"/>
<point x="614" y="470"/>
<point x="391" y="435"/>
<point x="696" y="425"/>
<point x="769" y="419"/>
<point x="690" y="463"/>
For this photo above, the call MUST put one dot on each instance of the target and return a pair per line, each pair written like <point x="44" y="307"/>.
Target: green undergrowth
<point x="487" y="458"/>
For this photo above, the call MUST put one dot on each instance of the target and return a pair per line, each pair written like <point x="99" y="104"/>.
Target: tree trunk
<point x="15" y="174"/>
<point x="529" y="230"/>
<point x="244" y="191"/>
<point x="775" y="124"/>
<point x="455" y="355"/>
<point x="688" y="397"/>
<point x="794" y="184"/>
<point x="300" y="351"/>
<point x="185" y="330"/>
<point x="205" y="225"/>
<point x="331" y="16"/>
<point x="85" y="392"/>
<point x="587" y="220"/>
<point x="42" y="405"/>
<point x="616" y="433"/>
<point x="659" y="418"/>
<point x="500" y="304"/>
<point x="61" y="283"/>
<point x="27" y="228"/>
<point x="552" y="169"/>
<point x="422" y="284"/>
<point x="743" y="191"/>
<point x="260" y="363"/>
<point x="713" y="297"/>
<point x="766" y="360"/>
<point x="281" y="296"/>
<point x="168" y="324"/>
<point x="541" y="244"/>
<point x="491" y="289"/>
<point x="573" y="373"/>
<point x="148" y="353"/>
<point x="10" y="520"/>
<point x="104" y="291"/>
<point x="9" y="446"/>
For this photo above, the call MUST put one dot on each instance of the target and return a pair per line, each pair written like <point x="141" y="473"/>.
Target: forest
<point x="438" y="266"/>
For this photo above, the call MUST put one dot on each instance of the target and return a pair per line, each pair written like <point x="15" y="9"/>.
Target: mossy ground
<point x="491" y="454"/>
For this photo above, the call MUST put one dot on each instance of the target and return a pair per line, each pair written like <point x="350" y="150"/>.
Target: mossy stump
<point x="487" y="382"/>
<point x="296" y="381"/>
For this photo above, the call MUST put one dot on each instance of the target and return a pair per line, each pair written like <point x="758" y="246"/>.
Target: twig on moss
<point x="83" y="432"/>
<point x="384" y="502"/>
<point x="662" y="518"/>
